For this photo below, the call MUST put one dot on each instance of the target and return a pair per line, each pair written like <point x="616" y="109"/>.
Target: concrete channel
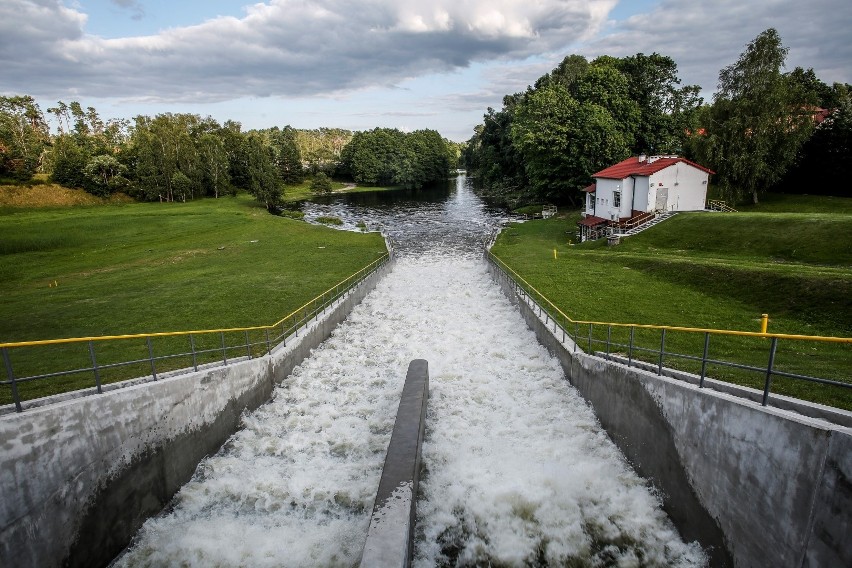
<point x="755" y="485"/>
<point x="79" y="475"/>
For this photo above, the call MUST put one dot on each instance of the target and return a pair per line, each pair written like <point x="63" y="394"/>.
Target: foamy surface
<point x="517" y="469"/>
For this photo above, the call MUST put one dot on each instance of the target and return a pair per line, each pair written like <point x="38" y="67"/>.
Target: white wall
<point x="604" y="207"/>
<point x="686" y="185"/>
<point x="641" y="193"/>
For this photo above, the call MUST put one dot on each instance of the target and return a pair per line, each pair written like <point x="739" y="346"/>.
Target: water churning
<point x="518" y="472"/>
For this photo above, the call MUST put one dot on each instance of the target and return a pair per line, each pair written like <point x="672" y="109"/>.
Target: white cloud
<point x="281" y="48"/>
<point x="703" y="37"/>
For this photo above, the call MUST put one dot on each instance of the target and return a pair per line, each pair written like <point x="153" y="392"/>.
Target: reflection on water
<point x="449" y="218"/>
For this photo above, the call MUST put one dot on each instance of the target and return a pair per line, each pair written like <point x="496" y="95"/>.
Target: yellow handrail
<point x="193" y="332"/>
<point x="672" y="327"/>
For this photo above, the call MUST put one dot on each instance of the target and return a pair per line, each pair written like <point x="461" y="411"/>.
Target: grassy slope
<point x="158" y="267"/>
<point x="789" y="257"/>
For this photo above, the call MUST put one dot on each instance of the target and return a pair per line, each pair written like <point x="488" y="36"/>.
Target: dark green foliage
<point x="264" y="183"/>
<point x="759" y="119"/>
<point x="822" y="166"/>
<point x="386" y="156"/>
<point x="23" y="137"/>
<point x="69" y="161"/>
<point x="287" y="157"/>
<point x="321" y="183"/>
<point x="545" y="144"/>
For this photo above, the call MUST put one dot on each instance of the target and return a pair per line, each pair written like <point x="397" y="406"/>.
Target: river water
<point x="518" y="472"/>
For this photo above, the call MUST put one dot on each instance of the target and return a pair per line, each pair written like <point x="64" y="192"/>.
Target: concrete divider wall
<point x="79" y="477"/>
<point x="756" y="486"/>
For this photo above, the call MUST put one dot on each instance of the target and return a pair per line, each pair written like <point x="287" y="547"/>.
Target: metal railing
<point x="206" y="347"/>
<point x="571" y="328"/>
<point x="718" y="205"/>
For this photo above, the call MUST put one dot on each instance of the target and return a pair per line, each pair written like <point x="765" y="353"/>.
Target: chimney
<point x="642" y="158"/>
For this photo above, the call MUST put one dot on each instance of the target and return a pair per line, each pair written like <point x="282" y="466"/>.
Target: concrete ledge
<point x="79" y="476"/>
<point x="756" y="486"/>
<point x="390" y="540"/>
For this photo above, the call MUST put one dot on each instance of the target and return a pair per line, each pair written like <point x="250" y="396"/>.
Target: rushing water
<point x="517" y="470"/>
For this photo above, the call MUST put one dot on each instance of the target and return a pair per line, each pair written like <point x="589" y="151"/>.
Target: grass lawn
<point x="790" y="257"/>
<point x="149" y="267"/>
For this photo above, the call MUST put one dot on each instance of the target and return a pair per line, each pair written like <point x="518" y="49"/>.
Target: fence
<point x="633" y="349"/>
<point x="154" y="354"/>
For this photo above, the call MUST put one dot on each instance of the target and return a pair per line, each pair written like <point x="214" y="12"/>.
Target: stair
<point x="657" y="219"/>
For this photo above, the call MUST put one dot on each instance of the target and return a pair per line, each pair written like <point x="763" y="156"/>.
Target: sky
<point x="359" y="64"/>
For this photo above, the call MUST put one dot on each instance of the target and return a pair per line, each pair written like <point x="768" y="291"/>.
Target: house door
<point x="662" y="199"/>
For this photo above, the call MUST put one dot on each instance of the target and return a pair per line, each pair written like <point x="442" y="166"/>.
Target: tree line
<point x="176" y="157"/>
<point x="760" y="130"/>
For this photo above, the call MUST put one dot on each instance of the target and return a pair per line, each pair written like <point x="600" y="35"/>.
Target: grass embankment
<point x="42" y="195"/>
<point x="790" y="257"/>
<point x="150" y="267"/>
<point x="303" y="191"/>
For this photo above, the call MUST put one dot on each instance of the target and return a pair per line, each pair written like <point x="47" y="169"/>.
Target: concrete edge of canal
<point x="754" y="485"/>
<point x="390" y="538"/>
<point x="79" y="477"/>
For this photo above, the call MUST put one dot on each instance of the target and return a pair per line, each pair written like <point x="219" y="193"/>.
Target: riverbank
<point x="788" y="257"/>
<point x="147" y="267"/>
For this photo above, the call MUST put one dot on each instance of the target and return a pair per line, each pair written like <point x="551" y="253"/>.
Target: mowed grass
<point x="790" y="257"/>
<point x="151" y="267"/>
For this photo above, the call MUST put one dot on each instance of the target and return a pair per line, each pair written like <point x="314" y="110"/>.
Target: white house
<point x="638" y="187"/>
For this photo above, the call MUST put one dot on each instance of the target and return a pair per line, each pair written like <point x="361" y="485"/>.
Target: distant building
<point x="636" y="189"/>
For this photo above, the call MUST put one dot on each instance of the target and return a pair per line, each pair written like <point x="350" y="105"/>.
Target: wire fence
<point x="30" y="371"/>
<point x="754" y="359"/>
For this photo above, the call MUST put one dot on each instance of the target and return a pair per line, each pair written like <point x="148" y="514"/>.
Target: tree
<point x="288" y="158"/>
<point x="264" y="183"/>
<point x="104" y="174"/>
<point x="321" y="183"/>
<point x="758" y="121"/>
<point x="667" y="111"/>
<point x="23" y="136"/>
<point x="563" y="141"/>
<point x="67" y="162"/>
<point x="214" y="162"/>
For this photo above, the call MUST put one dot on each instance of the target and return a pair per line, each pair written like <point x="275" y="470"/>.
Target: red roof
<point x="590" y="188"/>
<point x="633" y="167"/>
<point x="591" y="221"/>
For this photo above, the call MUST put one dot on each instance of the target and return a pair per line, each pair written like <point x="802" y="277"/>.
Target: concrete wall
<point x="756" y="486"/>
<point x="79" y="477"/>
<point x="390" y="538"/>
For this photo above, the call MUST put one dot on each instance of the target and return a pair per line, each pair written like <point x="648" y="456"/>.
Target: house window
<point x="616" y="199"/>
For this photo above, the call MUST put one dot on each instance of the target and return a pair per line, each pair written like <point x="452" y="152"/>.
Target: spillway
<point x="517" y="470"/>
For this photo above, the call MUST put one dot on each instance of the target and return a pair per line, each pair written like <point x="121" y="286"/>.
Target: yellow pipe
<point x="764" y="322"/>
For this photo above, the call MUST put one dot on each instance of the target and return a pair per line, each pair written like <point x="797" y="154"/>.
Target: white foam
<point x="518" y="468"/>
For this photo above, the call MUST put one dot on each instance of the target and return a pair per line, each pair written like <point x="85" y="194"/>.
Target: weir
<point x="516" y="467"/>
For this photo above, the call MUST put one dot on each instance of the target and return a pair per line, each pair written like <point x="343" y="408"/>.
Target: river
<point x="517" y="470"/>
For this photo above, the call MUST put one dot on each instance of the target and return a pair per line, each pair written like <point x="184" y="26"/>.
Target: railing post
<point x="268" y="348"/>
<point x="590" y="339"/>
<point x="704" y="359"/>
<point x="194" y="358"/>
<point x="630" y="347"/>
<point x="283" y="334"/>
<point x="151" y="356"/>
<point x="224" y="350"/>
<point x="662" y="352"/>
<point x="576" y="335"/>
<point x="11" y="376"/>
<point x="95" y="366"/>
<point x="608" y="339"/>
<point x="768" y="382"/>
